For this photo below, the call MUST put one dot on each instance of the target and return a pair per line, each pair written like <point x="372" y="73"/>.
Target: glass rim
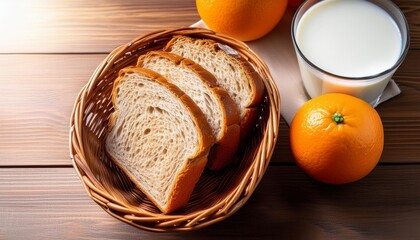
<point x="370" y="77"/>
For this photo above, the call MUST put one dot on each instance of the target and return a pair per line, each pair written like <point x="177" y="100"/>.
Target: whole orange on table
<point x="336" y="138"/>
<point x="245" y="20"/>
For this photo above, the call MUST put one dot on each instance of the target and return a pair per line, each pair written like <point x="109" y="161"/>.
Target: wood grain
<point x="50" y="203"/>
<point x="411" y="9"/>
<point x="79" y="26"/>
<point x="46" y="26"/>
<point x="38" y="93"/>
<point x="36" y="99"/>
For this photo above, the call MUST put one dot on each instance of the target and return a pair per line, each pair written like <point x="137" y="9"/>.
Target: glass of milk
<point x="349" y="46"/>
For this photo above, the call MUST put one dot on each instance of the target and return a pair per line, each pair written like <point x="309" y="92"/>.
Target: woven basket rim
<point x="173" y="222"/>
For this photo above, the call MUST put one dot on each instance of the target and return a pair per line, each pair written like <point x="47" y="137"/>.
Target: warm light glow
<point x="20" y="20"/>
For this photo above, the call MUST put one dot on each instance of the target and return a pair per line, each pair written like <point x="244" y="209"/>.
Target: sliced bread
<point x="232" y="72"/>
<point x="216" y="104"/>
<point x="158" y="136"/>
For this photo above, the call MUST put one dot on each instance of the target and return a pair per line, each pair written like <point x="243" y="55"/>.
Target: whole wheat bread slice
<point x="232" y="72"/>
<point x="158" y="136"/>
<point x="218" y="107"/>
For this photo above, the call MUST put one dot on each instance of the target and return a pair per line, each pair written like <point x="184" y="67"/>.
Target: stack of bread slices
<point x="185" y="107"/>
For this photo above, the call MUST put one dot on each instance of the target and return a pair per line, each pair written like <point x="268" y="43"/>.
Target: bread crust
<point x="249" y="113"/>
<point x="193" y="166"/>
<point x="227" y="143"/>
<point x="248" y="123"/>
<point x="255" y="80"/>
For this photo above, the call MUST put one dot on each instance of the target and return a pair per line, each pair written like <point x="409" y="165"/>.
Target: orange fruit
<point x="336" y="138"/>
<point x="245" y="20"/>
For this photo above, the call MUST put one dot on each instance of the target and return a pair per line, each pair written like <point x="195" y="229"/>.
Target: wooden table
<point x="50" y="48"/>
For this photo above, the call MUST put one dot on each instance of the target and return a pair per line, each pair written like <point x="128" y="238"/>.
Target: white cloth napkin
<point x="276" y="49"/>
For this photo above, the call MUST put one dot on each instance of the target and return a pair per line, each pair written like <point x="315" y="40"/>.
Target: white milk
<point x="352" y="39"/>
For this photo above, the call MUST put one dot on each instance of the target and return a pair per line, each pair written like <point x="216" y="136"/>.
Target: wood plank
<point x="38" y="92"/>
<point x="36" y="99"/>
<point x="411" y="10"/>
<point x="50" y="203"/>
<point x="44" y="26"/>
<point x="99" y="26"/>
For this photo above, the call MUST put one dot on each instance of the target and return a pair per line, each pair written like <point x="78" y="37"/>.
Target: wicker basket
<point x="216" y="196"/>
